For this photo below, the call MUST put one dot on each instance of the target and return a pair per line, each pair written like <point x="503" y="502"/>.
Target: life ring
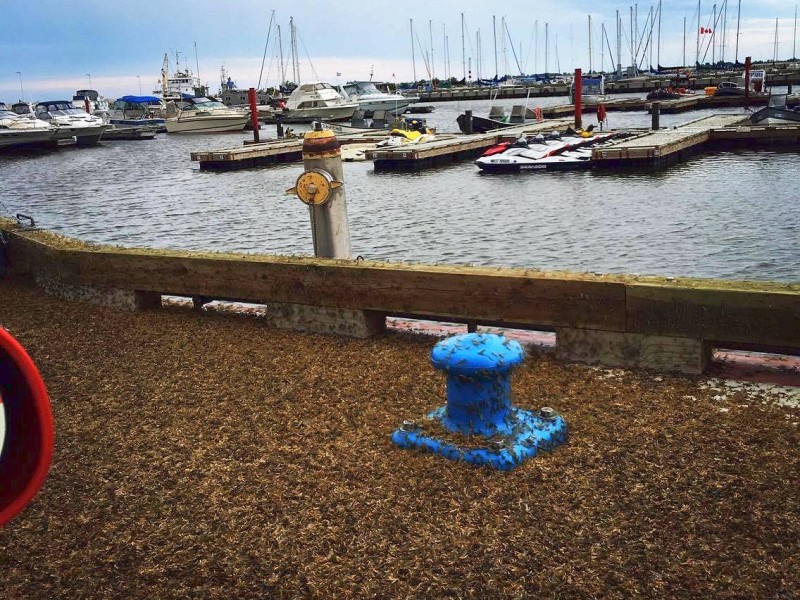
<point x="601" y="113"/>
<point x="26" y="446"/>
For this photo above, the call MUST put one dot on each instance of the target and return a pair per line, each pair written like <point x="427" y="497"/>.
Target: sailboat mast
<point x="433" y="67"/>
<point x="413" y="60"/>
<point x="590" y="43"/>
<point x="658" y="52"/>
<point x="684" y="41"/>
<point x="697" y="52"/>
<point x="463" y="50"/>
<point x="775" y="51"/>
<point x="494" y="37"/>
<point x="619" y="46"/>
<point x="602" y="49"/>
<point x="546" y="43"/>
<point x="633" y="42"/>
<point x="794" y="36"/>
<point x="536" y="46"/>
<point x="280" y="52"/>
<point x="738" y="21"/>
<point x="197" y="65"/>
<point x="713" y="34"/>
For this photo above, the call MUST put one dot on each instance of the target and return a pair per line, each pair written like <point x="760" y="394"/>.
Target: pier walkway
<point x="663" y="146"/>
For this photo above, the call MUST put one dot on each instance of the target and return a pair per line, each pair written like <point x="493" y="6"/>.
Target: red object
<point x="578" y="98"/>
<point x="601" y="113"/>
<point x="501" y="147"/>
<point x="251" y="96"/>
<point x="29" y="438"/>
<point x="86" y="105"/>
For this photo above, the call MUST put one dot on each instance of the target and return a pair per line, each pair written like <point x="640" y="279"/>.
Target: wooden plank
<point x="503" y="296"/>
<point x="768" y="316"/>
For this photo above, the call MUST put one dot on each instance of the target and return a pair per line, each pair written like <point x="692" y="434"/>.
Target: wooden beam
<point x="717" y="314"/>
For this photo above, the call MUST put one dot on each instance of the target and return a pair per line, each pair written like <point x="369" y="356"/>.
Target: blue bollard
<point x="478" y="368"/>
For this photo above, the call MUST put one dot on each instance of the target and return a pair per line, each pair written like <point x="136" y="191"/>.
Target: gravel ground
<point x="205" y="455"/>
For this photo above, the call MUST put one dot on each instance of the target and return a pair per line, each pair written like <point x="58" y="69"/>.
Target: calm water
<point x="726" y="214"/>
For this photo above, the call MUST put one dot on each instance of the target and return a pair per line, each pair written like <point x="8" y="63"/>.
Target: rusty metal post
<point x="329" y="226"/>
<point x="578" y="86"/>
<point x="468" y="120"/>
<point x="251" y="97"/>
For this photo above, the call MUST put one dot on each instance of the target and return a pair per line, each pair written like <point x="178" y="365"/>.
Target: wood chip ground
<point x="204" y="455"/>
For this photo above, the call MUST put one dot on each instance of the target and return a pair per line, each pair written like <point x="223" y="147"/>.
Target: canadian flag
<point x="705" y="30"/>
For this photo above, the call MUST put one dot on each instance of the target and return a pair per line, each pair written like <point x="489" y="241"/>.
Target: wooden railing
<point x="598" y="318"/>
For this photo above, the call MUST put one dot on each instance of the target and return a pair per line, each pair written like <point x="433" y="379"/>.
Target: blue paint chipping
<point x="478" y="367"/>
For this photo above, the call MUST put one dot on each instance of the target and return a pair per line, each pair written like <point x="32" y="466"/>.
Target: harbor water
<point x="723" y="214"/>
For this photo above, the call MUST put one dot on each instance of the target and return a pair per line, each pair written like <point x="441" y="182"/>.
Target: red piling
<point x="578" y="85"/>
<point x="251" y="96"/>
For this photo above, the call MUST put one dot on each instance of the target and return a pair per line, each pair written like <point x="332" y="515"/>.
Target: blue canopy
<point x="141" y="99"/>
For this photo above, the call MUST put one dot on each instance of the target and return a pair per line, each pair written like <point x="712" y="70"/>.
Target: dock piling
<point x="578" y="97"/>
<point x="656" y="113"/>
<point x="251" y="96"/>
<point x="468" y="115"/>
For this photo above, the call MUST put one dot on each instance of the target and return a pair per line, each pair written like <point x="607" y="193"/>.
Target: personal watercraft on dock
<point x="555" y="151"/>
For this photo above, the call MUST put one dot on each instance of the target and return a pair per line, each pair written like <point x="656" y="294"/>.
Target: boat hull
<point x="83" y="136"/>
<point x="206" y="124"/>
<point x="322" y="113"/>
<point x="22" y="139"/>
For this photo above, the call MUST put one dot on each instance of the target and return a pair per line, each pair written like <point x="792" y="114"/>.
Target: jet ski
<point x="553" y="151"/>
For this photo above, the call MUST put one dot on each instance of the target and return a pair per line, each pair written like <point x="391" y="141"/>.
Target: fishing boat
<point x="317" y="101"/>
<point x="203" y="115"/>
<point x="371" y="99"/>
<point x="551" y="152"/>
<point x="480" y="124"/>
<point x="20" y="132"/>
<point x="776" y="113"/>
<point x="138" y="111"/>
<point x="71" y="122"/>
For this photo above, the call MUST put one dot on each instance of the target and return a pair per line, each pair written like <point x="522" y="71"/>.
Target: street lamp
<point x="90" y="80"/>
<point x="139" y="79"/>
<point x="21" y="91"/>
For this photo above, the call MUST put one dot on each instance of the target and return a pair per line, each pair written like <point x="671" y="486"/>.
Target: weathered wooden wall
<point x="622" y="320"/>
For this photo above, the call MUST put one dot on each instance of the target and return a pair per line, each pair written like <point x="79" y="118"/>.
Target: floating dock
<point x="664" y="146"/>
<point x="441" y="151"/>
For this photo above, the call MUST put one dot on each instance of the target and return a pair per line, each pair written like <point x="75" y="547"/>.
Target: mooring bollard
<point x="468" y="118"/>
<point x="478" y="368"/>
<point x="655" y="109"/>
<point x="320" y="187"/>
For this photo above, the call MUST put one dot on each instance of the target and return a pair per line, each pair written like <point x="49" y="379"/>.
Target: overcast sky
<point x="50" y="49"/>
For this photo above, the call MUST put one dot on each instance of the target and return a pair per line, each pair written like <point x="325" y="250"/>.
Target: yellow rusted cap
<point x="321" y="143"/>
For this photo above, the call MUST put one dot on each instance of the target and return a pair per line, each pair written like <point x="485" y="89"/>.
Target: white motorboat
<point x="21" y="131"/>
<point x="593" y="91"/>
<point x="317" y="101"/>
<point x="71" y="122"/>
<point x="203" y="115"/>
<point x="138" y="111"/>
<point x="371" y="99"/>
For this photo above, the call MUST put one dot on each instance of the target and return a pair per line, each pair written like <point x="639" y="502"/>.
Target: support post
<point x="251" y="96"/>
<point x="747" y="77"/>
<point x="329" y="227"/>
<point x="468" y="117"/>
<point x="655" y="109"/>
<point x="578" y="84"/>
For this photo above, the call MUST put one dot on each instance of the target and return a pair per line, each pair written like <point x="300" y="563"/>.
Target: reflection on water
<point x="725" y="214"/>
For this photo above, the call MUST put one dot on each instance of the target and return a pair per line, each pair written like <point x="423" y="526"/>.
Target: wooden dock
<point x="272" y="151"/>
<point x="441" y="151"/>
<point x="663" y="146"/>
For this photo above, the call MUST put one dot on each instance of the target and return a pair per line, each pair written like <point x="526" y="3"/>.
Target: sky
<point x="50" y="49"/>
